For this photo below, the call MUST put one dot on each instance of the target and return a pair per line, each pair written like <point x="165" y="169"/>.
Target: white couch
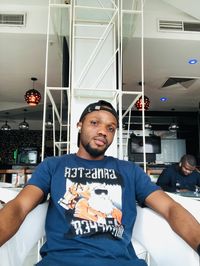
<point x="164" y="246"/>
<point x="152" y="237"/>
<point x="15" y="251"/>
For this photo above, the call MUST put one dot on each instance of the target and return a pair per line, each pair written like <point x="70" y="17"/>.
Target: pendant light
<point x="148" y="126"/>
<point x="32" y="97"/>
<point x="24" y="125"/>
<point x="49" y="122"/>
<point x="139" y="103"/>
<point x="173" y="127"/>
<point x="6" y="126"/>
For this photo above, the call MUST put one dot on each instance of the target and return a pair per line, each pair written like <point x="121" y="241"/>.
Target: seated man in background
<point x="180" y="177"/>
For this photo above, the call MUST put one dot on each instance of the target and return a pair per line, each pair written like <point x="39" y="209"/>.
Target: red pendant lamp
<point x="32" y="97"/>
<point x="138" y="103"/>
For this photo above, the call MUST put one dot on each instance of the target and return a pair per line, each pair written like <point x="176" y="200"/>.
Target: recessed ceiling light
<point x="193" y="61"/>
<point x="163" y="99"/>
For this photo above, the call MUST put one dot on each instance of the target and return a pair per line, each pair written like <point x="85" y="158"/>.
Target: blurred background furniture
<point x="20" y="172"/>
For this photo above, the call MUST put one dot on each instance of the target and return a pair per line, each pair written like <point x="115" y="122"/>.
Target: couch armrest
<point x="14" y="251"/>
<point x="163" y="244"/>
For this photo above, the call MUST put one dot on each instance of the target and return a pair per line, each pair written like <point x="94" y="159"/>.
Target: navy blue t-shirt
<point x="92" y="210"/>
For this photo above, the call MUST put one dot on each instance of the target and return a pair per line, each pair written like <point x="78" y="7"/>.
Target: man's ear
<point x="79" y="124"/>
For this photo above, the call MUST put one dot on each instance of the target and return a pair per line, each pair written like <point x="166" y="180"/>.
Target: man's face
<point x="97" y="132"/>
<point x="186" y="168"/>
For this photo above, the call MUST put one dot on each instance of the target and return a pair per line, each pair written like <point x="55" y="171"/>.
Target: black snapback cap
<point x="97" y="106"/>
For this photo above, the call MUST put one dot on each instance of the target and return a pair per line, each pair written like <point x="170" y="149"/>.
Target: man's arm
<point x="180" y="220"/>
<point x="14" y="212"/>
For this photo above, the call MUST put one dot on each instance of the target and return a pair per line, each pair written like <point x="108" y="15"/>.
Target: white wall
<point x="172" y="150"/>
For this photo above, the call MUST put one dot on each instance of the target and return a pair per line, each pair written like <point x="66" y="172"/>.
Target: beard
<point x="94" y="152"/>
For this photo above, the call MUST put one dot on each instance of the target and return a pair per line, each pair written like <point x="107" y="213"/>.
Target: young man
<point x="180" y="177"/>
<point x="93" y="197"/>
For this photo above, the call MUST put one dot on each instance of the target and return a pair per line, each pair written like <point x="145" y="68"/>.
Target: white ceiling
<point x="166" y="55"/>
<point x="22" y="56"/>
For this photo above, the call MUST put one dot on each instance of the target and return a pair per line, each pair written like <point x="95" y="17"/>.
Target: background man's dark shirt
<point x="171" y="176"/>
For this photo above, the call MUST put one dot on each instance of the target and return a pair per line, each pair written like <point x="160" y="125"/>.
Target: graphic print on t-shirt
<point x="93" y="200"/>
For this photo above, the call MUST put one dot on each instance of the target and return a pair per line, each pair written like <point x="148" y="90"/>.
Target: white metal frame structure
<point x="94" y="73"/>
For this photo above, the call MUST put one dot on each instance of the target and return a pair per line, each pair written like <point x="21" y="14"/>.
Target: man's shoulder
<point x="196" y="172"/>
<point x="125" y="166"/>
<point x="57" y="159"/>
<point x="173" y="167"/>
<point x="121" y="161"/>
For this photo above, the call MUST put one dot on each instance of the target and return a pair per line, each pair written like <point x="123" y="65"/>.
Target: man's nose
<point x="102" y="130"/>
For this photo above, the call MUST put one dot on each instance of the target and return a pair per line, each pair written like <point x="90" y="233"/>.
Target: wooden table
<point x="23" y="171"/>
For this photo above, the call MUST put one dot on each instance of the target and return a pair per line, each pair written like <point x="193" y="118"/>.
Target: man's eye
<point x="111" y="129"/>
<point x="93" y="122"/>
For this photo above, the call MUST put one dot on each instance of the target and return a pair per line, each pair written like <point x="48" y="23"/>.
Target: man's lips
<point x="100" y="141"/>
